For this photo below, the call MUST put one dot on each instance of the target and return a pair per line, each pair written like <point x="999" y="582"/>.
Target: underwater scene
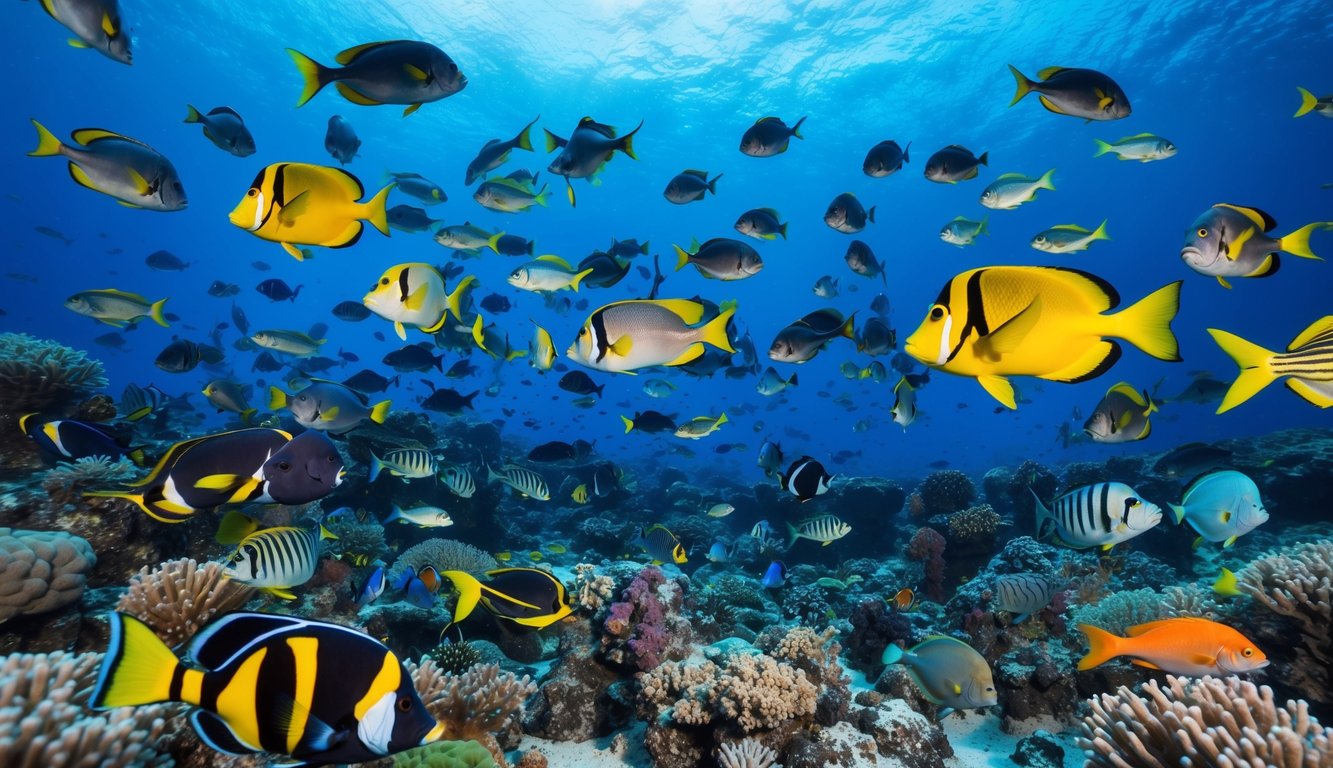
<point x="501" y="383"/>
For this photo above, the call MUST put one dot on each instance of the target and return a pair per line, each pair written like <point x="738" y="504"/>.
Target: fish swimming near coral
<point x="1097" y="515"/>
<point x="1181" y="646"/>
<point x="528" y="597"/>
<point x="949" y="673"/>
<point x="1023" y="594"/>
<point x="271" y="559"/>
<point x="1221" y="506"/>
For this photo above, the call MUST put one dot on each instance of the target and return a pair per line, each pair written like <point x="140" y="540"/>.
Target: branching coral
<point x="476" y="705"/>
<point x="746" y="753"/>
<point x="444" y="555"/>
<point x="1206" y="723"/>
<point x="38" y="374"/>
<point x="178" y="597"/>
<point x="1297" y="582"/>
<point x="41" y="571"/>
<point x="751" y="692"/>
<point x="592" y="589"/>
<point x="947" y="491"/>
<point x="44" y="721"/>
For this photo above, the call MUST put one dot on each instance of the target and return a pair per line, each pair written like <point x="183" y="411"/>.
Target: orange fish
<point x="430" y="578"/>
<point x="905" y="600"/>
<point x="1184" y="646"/>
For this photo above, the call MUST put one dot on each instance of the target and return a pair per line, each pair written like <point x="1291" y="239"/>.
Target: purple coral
<point x="927" y="546"/>
<point x="640" y="618"/>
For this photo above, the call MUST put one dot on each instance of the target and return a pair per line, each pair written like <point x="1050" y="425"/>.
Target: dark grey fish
<point x="512" y="245"/>
<point x="761" y="224"/>
<point x="606" y="270"/>
<point x="407" y="72"/>
<point x="627" y="248"/>
<point x="179" y="356"/>
<point x="239" y="319"/>
<point x="885" y="158"/>
<point x="53" y="233"/>
<point x="340" y="140"/>
<point x="278" y="290"/>
<point x="846" y="214"/>
<point x="690" y="185"/>
<point x="225" y="128"/>
<point x="721" y="258"/>
<point x="420" y="187"/>
<point x="495" y="304"/>
<point x="1191" y="460"/>
<point x="861" y="260"/>
<point x="409" y="218"/>
<point x="496" y="152"/>
<point x="449" y="401"/>
<point x="1204" y="390"/>
<point x="266" y="363"/>
<point x="351" y="311"/>
<point x="953" y="164"/>
<point x="221" y="290"/>
<point x="414" y="357"/>
<point x="580" y="383"/>
<point x="369" y="381"/>
<point x="769" y="136"/>
<point x="876" y="337"/>
<point x="165" y="261"/>
<point x="802" y="340"/>
<point x="1084" y="93"/>
<point x="586" y="150"/>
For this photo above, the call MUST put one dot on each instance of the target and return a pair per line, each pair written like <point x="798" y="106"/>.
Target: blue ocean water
<point x="1219" y="83"/>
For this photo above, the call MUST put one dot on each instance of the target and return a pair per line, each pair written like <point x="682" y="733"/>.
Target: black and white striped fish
<point x="277" y="559"/>
<point x="1098" y="515"/>
<point x="406" y="463"/>
<point x="459" y="480"/>
<point x="521" y="479"/>
<point x="806" y="479"/>
<point x="824" y="529"/>
<point x="1023" y="594"/>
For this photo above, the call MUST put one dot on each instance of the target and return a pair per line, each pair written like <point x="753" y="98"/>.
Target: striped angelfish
<point x="406" y="463"/>
<point x="521" y="479"/>
<point x="1098" y="515"/>
<point x="1023" y="594"/>
<point x="824" y="529"/>
<point x="277" y="559"/>
<point x="459" y="480"/>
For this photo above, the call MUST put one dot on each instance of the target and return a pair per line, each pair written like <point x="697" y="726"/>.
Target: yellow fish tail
<point x="1100" y="232"/>
<point x="155" y="313"/>
<point x="1255" y="373"/>
<point x="1024" y="85"/>
<point x="47" y="143"/>
<point x="1102" y="647"/>
<point x="1147" y="324"/>
<point x="1102" y="148"/>
<point x="1298" y="243"/>
<point x="314" y="75"/>
<point x="139" y="669"/>
<point x="374" y="210"/>
<point x="1308" y="102"/>
<point x="455" y="303"/>
<point x="715" y="331"/>
<point x="192" y="115"/>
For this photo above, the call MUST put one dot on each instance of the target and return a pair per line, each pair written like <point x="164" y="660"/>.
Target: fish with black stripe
<point x="67" y="439"/>
<point x="660" y="544"/>
<point x="529" y="597"/>
<point x="271" y="559"/>
<point x="314" y="692"/>
<point x="806" y="478"/>
<point x="824" y="529"/>
<point x="1098" y="515"/>
<point x="1023" y="594"/>
<point x="1307" y="365"/>
<point x="528" y="483"/>
<point x="404" y="463"/>
<point x="245" y="466"/>
<point x="304" y="204"/>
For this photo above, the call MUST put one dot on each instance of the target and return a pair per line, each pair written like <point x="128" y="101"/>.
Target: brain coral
<point x="41" y="571"/>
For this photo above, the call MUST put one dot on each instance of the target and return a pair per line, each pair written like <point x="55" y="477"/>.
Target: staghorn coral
<point x="178" y="597"/>
<point x="746" y="753"/>
<point x="1209" y="722"/>
<point x="45" y="723"/>
<point x="593" y="590"/>
<point x="1297" y="582"/>
<point x="39" y="374"/>
<point x="446" y="754"/>
<point x="947" y="491"/>
<point x="746" y="691"/>
<point x="445" y="555"/>
<point x="477" y="704"/>
<point x="41" y="571"/>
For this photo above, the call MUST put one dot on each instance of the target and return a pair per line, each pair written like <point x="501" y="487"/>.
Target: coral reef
<point x="1117" y="612"/>
<point x="455" y="658"/>
<point x="91" y="472"/>
<point x="38" y="375"/>
<point x="1297" y="583"/>
<point x="478" y="704"/>
<point x="446" y="754"/>
<point x="444" y="555"/>
<point x="947" y="491"/>
<point x="927" y="547"/>
<point x="746" y="753"/>
<point x="874" y="626"/>
<point x="41" y="571"/>
<point x="45" y="721"/>
<point x="1205" y="722"/>
<point x="178" y="597"/>
<point x="357" y="542"/>
<point x="974" y="525"/>
<point x="592" y="589"/>
<point x="646" y="622"/>
<point x="743" y="691"/>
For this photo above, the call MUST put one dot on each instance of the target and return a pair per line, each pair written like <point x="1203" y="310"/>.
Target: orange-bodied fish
<point x="1184" y="646"/>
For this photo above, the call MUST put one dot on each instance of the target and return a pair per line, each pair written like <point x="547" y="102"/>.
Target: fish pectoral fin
<point x="1142" y="663"/>
<point x="295" y="252"/>
<point x="354" y="96"/>
<point x="108" y="26"/>
<point x="1204" y="659"/>
<point x="245" y="491"/>
<point x="75" y="42"/>
<point x="398" y="329"/>
<point x="330" y="414"/>
<point x="217" y="482"/>
<point x="81" y="177"/>
<point x="1229" y="542"/>
<point x="999" y="388"/>
<point x="141" y="184"/>
<point x="294" y="209"/>
<point x="1009" y="337"/>
<point x="280" y="592"/>
<point x="1234" y="248"/>
<point x="1050" y="105"/>
<point x="316" y="735"/>
<point x="1224" y="282"/>
<point x="411" y="108"/>
<point x="416" y="73"/>
<point x="622" y="346"/>
<point x="416" y="299"/>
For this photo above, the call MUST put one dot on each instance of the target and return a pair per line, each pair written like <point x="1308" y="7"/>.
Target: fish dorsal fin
<point x="1137" y="136"/>
<point x="218" y="642"/>
<point x="219" y="482"/>
<point x="352" y="54"/>
<point x="1005" y="176"/>
<point x="769" y="119"/>
<point x="1100" y="294"/>
<point x="505" y="181"/>
<point x="593" y="125"/>
<point x="690" y="312"/>
<point x="551" y="258"/>
<point x="771" y="212"/>
<point x="225" y="111"/>
<point x="1127" y="390"/>
<point x="1049" y="72"/>
<point x="87" y="136"/>
<point x="1190" y="622"/>
<point x="1321" y="327"/>
<point x="696" y="173"/>
<point x="1071" y="228"/>
<point x="235" y="527"/>
<point x="1010" y="335"/>
<point x="1262" y="220"/>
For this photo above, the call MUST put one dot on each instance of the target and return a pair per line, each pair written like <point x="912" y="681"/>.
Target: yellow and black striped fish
<point x="521" y="479"/>
<point x="660" y="544"/>
<point x="405" y="463"/>
<point x="527" y="596"/>
<point x="1023" y="594"/>
<point x="1307" y="364"/>
<point x="824" y="529"/>
<point x="318" y="693"/>
<point x="271" y="559"/>
<point x="302" y="204"/>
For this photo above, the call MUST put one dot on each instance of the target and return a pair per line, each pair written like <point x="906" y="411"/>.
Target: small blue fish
<point x="374" y="586"/>
<point x="775" y="576"/>
<point x="718" y="553"/>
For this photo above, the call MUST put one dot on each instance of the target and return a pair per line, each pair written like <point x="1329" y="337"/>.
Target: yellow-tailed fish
<point x="526" y="596"/>
<point x="303" y="204"/>
<point x="414" y="295"/>
<point x="390" y="72"/>
<point x="1226" y="584"/>
<point x="1233" y="241"/>
<point x="1307" y="365"/>
<point x="116" y="308"/>
<point x="96" y="24"/>
<point x="130" y="171"/>
<point x="627" y="335"/>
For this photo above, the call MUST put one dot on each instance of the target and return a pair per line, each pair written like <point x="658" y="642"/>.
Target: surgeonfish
<point x="627" y="335"/>
<point x="769" y="136"/>
<point x="1038" y="321"/>
<point x="504" y="195"/>
<point x="340" y="140"/>
<point x="225" y="128"/>
<point x="304" y="204"/>
<point x="949" y="673"/>
<point x="1232" y="241"/>
<point x="806" y="478"/>
<point x="775" y="576"/>
<point x="373" y="588"/>
<point x="1068" y="238"/>
<point x="116" y="308"/>
<point x="524" y="481"/>
<point x="1188" y="646"/>
<point x="800" y="341"/>
<point x="721" y="509"/>
<point x="357" y="701"/>
<point x="1097" y="515"/>
<point x="846" y="214"/>
<point x="271" y="559"/>
<point x="770" y="458"/>
<point x="409" y="218"/>
<point x="329" y="406"/>
<point x="260" y="466"/>
<point x="953" y="164"/>
<point x="1320" y="105"/>
<point x="1143" y="147"/>
<point x="1307" y="364"/>
<point x="824" y="529"/>
<point x="1023" y="594"/>
<point x="96" y="24"/>
<point x="721" y="258"/>
<point x="1121" y="416"/>
<point x="762" y="224"/>
<point x="588" y="148"/>
<point x="861" y="260"/>
<point x="229" y="396"/>
<point x="496" y="152"/>
<point x="885" y="158"/>
<point x="403" y="463"/>
<point x="467" y="237"/>
<point x="660" y="544"/>
<point x="1011" y="190"/>
<point x="1221" y="506"/>
<point x="649" y="421"/>
<point x="690" y="185"/>
<point x="391" y="72"/>
<point x="529" y="597"/>
<point x="414" y="294"/>
<point x="423" y="189"/>
<point x="68" y="439"/>
<point x="771" y="382"/>
<point x="1084" y="93"/>
<point x="130" y="171"/>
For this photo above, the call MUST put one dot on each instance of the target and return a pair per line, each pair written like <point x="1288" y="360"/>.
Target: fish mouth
<point x="1194" y="257"/>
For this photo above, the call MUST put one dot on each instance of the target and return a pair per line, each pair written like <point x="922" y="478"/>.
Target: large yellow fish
<point x="301" y="204"/>
<point x="1048" y="322"/>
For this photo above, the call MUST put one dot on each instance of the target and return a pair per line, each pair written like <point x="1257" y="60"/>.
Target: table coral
<point x="41" y="571"/>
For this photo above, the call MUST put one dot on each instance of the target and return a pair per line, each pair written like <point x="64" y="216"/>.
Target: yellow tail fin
<point x="1308" y="102"/>
<point x="156" y="313"/>
<point x="138" y="668"/>
<point x="380" y="411"/>
<point x="1254" y="371"/>
<point x="1102" y="647"/>
<point x="1100" y="232"/>
<point x="47" y="143"/>
<point x="469" y="592"/>
<point x="715" y="331"/>
<point x="574" y="283"/>
<point x="375" y="211"/>
<point x="629" y="423"/>
<point x="314" y="75"/>
<point x="1024" y="85"/>
<point x="1147" y="324"/>
<point x="682" y="257"/>
<point x="193" y="116"/>
<point x="1102" y="148"/>
<point x="455" y="300"/>
<point x="1298" y="243"/>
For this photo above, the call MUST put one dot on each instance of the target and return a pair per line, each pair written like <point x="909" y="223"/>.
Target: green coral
<point x="446" y="754"/>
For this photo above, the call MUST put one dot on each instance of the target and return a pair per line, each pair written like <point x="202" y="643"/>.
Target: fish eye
<point x="284" y="465"/>
<point x="1133" y="503"/>
<point x="1203" y="231"/>
<point x="252" y="192"/>
<point x="404" y="704"/>
<point x="936" y="312"/>
<point x="1248" y="652"/>
<point x="332" y="459"/>
<point x="302" y="398"/>
<point x="384" y="281"/>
